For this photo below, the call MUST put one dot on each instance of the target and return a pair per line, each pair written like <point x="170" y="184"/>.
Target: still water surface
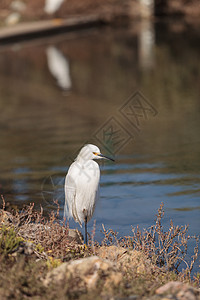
<point x="58" y="93"/>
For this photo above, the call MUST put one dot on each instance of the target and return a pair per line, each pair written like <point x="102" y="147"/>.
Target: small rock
<point x="89" y="270"/>
<point x="127" y="258"/>
<point x="169" y="297"/>
<point x="112" y="253"/>
<point x="26" y="248"/>
<point x="75" y="235"/>
<point x="13" y="18"/>
<point x="6" y="217"/>
<point x="172" y="286"/>
<point x="180" y="290"/>
<point x="18" y="5"/>
<point x="186" y="295"/>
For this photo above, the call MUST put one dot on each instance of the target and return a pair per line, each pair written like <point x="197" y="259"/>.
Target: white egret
<point x="82" y="185"/>
<point x="51" y="6"/>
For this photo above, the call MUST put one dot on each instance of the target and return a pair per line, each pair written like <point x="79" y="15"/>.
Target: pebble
<point x="13" y="18"/>
<point x="18" y="5"/>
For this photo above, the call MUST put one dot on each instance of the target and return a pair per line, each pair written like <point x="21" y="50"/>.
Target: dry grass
<point x="49" y="236"/>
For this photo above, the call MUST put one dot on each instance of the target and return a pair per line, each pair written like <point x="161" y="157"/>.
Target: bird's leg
<point x="86" y="230"/>
<point x="85" y="219"/>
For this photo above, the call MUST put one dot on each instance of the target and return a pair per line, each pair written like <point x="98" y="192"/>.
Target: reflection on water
<point x="146" y="42"/>
<point x="42" y="128"/>
<point x="59" y="67"/>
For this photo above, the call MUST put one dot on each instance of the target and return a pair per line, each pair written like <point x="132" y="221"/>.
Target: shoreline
<point x="55" y="264"/>
<point x="21" y="21"/>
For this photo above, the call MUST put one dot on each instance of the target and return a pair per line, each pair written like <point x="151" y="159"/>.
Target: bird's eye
<point x="94" y="153"/>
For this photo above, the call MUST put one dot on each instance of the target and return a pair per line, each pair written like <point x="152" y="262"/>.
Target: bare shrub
<point x="166" y="249"/>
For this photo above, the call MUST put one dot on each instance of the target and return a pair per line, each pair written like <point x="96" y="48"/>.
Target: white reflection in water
<point x="148" y="7"/>
<point x="58" y="65"/>
<point x="146" y="45"/>
<point x="51" y="6"/>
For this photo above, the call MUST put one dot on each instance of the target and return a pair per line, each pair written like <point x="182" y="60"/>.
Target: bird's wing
<point x="70" y="196"/>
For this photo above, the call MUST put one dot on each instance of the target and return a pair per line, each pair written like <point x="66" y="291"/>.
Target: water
<point x="60" y="92"/>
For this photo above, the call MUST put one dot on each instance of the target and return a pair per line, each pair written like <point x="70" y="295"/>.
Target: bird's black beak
<point x="106" y="157"/>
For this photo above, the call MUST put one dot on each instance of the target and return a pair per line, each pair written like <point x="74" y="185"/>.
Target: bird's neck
<point x="81" y="160"/>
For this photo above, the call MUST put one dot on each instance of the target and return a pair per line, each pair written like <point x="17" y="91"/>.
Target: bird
<point x="51" y="6"/>
<point x="82" y="185"/>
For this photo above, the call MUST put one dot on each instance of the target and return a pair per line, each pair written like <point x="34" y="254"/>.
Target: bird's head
<point x="90" y="151"/>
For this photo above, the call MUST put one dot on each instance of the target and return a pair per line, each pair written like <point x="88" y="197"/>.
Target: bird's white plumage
<point x="51" y="6"/>
<point x="82" y="185"/>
